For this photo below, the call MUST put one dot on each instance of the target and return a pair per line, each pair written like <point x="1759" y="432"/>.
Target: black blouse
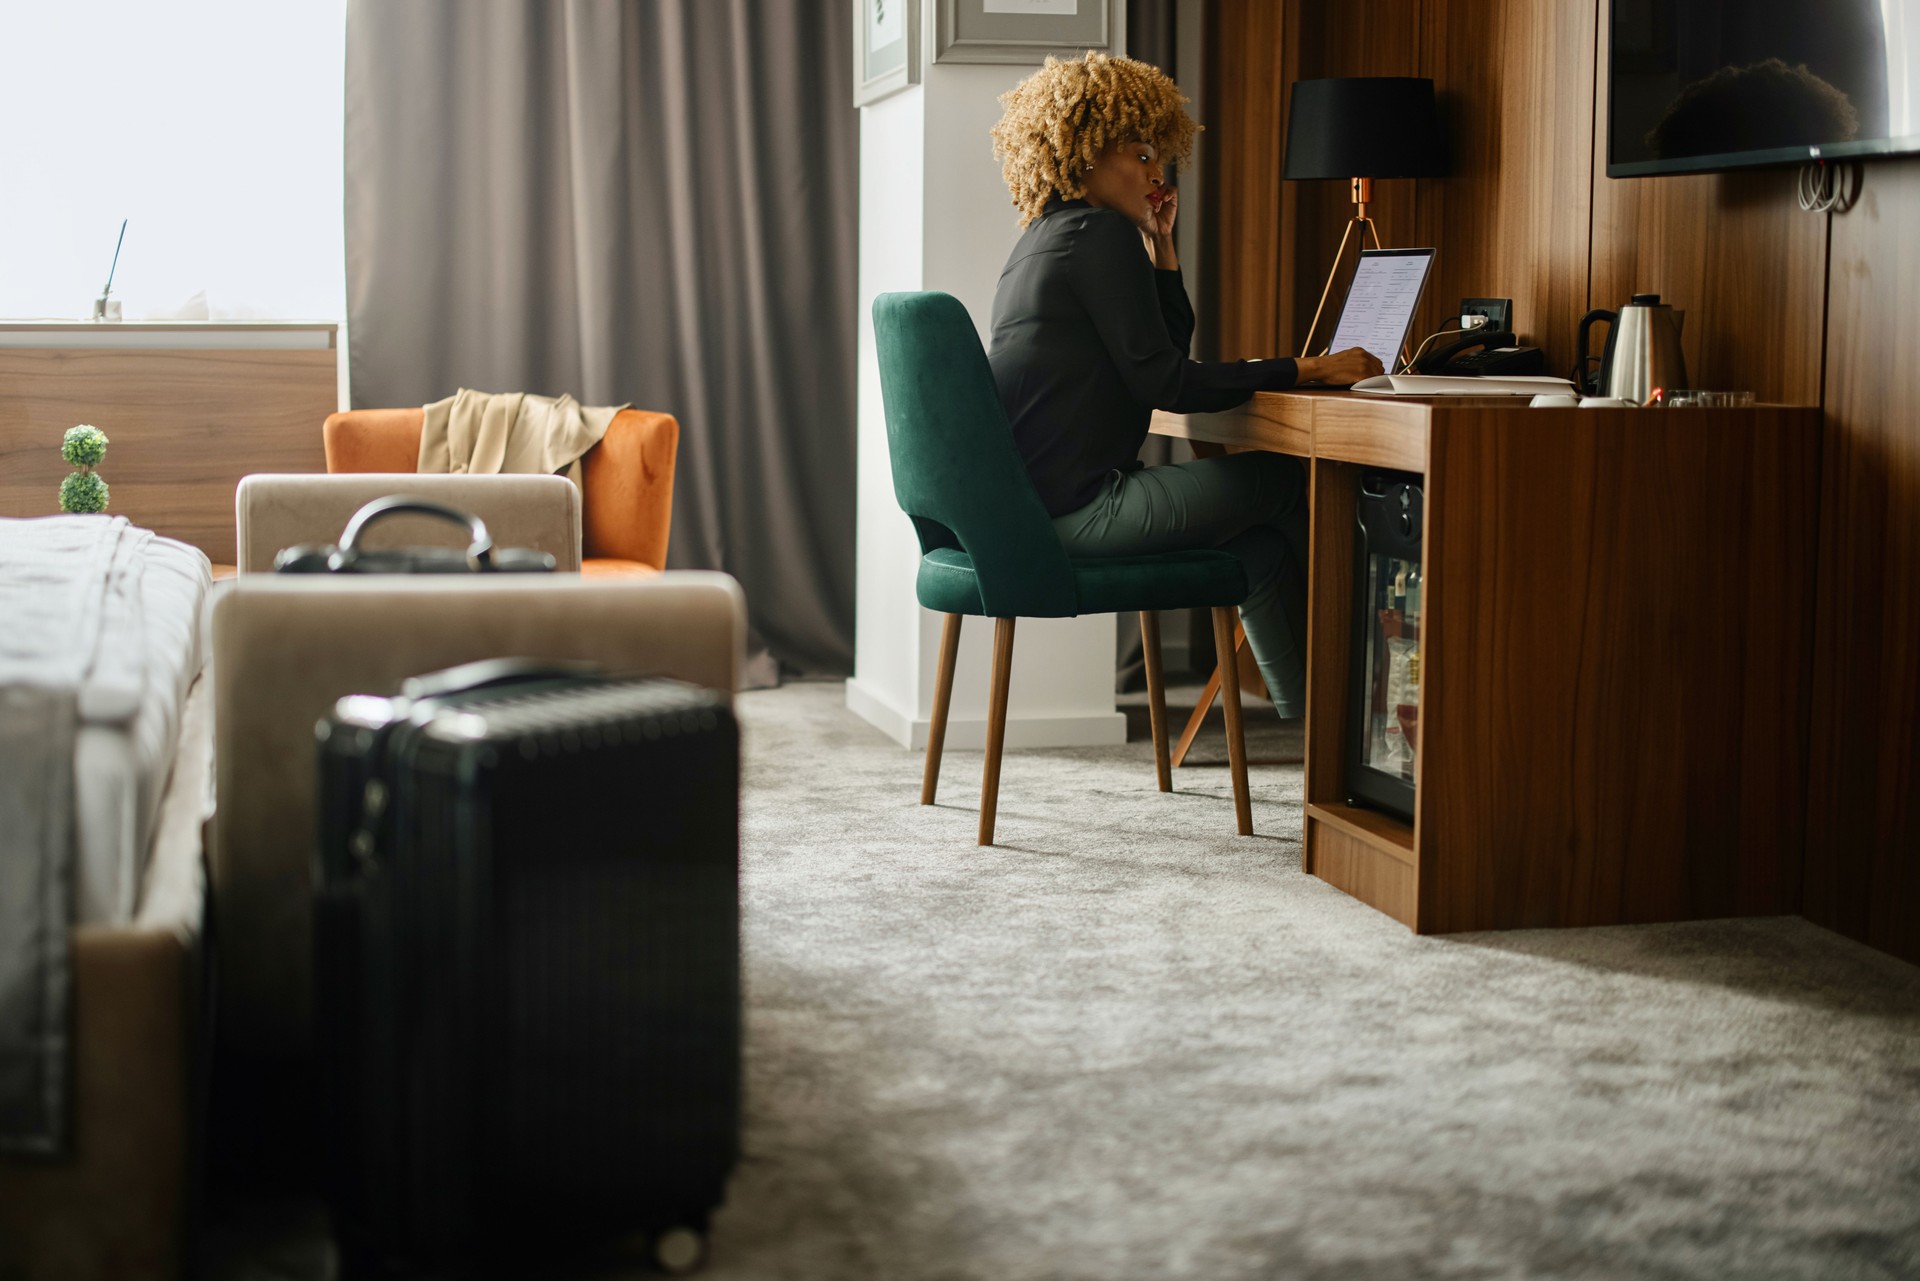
<point x="1088" y="340"/>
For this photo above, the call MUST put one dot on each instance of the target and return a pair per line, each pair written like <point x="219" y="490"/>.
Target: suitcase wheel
<point x="679" y="1252"/>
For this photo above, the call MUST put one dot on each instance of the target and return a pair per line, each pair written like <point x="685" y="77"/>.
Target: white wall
<point x="887" y="639"/>
<point x="936" y="215"/>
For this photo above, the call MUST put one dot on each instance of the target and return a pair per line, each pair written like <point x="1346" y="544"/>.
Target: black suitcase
<point x="528" y="964"/>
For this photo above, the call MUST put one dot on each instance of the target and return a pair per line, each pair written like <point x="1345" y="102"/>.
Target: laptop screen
<point x="1380" y="302"/>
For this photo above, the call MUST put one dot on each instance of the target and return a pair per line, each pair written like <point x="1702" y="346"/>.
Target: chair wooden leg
<point x="942" y="699"/>
<point x="1207" y="695"/>
<point x="996" y="725"/>
<point x="1230" y="704"/>
<point x="1156" y="695"/>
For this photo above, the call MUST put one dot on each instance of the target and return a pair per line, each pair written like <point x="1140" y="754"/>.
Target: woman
<point x="1090" y="330"/>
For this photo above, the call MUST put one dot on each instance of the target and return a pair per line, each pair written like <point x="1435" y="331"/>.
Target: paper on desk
<point x="1442" y="385"/>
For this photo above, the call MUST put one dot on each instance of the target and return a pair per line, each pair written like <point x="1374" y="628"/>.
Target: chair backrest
<point x="955" y="469"/>
<point x="281" y="510"/>
<point x="626" y="484"/>
<point x="286" y="647"/>
<point x="626" y="481"/>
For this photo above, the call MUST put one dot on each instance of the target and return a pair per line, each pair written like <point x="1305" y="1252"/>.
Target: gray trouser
<point x="1253" y="505"/>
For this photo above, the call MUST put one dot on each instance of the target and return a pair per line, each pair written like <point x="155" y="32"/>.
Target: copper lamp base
<point x="1359" y="228"/>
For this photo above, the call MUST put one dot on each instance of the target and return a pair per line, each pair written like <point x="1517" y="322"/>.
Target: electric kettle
<point x="1642" y="352"/>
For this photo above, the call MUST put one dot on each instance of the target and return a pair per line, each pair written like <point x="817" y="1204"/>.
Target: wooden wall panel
<point x="1245" y="81"/>
<point x="1734" y="251"/>
<point x="1511" y="219"/>
<point x="1381" y="38"/>
<point x="183" y="426"/>
<point x="1527" y="211"/>
<point x="1515" y="84"/>
<point x="1863" y="864"/>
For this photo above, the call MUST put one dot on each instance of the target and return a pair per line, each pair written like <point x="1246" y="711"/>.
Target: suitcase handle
<point x="479" y="549"/>
<point x="493" y="671"/>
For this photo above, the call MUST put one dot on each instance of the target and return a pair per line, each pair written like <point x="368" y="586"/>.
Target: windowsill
<point x="254" y="334"/>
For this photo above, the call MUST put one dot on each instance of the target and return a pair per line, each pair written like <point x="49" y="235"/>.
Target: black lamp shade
<point x="1364" y="127"/>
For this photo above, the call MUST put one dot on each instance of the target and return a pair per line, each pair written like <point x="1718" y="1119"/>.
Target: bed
<point x="105" y="784"/>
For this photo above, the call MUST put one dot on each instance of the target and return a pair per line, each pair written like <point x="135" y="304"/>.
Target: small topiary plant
<point x="84" y="491"/>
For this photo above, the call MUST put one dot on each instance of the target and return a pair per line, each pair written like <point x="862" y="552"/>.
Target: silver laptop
<point x="1378" y="311"/>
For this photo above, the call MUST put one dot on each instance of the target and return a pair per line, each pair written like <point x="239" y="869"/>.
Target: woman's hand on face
<point x="1166" y="207"/>
<point x="1343" y="368"/>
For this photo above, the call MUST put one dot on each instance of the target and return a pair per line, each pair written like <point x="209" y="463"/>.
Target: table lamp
<point x="1360" y="128"/>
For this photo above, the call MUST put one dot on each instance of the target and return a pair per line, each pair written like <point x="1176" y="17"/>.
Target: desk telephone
<point x="1478" y="353"/>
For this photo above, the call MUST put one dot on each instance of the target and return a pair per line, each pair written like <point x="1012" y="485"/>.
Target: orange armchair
<point x="626" y="481"/>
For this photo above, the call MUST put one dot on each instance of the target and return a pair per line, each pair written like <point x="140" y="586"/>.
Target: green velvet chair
<point x="988" y="547"/>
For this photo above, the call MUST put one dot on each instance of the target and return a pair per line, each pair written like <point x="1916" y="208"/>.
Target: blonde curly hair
<point x="1062" y="117"/>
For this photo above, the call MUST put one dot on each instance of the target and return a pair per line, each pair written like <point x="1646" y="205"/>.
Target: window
<point x="212" y="126"/>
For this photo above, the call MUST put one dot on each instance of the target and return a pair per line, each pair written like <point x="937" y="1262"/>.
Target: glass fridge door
<point x="1383" y="720"/>
<point x="1392" y="664"/>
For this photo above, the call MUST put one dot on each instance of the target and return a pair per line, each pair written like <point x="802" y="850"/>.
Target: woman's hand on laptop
<point x="1341" y="369"/>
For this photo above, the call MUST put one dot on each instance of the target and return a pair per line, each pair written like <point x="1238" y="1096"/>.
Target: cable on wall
<point x="1829" y="188"/>
<point x="1466" y="324"/>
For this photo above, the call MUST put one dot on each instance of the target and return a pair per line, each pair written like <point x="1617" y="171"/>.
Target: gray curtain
<point x="651" y="201"/>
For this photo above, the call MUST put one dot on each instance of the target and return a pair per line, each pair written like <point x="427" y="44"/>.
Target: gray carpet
<point x="1127" y="1043"/>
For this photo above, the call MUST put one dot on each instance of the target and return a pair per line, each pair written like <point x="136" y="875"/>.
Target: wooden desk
<point x="1614" y="659"/>
<point x="188" y="407"/>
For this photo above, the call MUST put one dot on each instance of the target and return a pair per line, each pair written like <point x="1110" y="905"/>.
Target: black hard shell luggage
<point x="528" y="964"/>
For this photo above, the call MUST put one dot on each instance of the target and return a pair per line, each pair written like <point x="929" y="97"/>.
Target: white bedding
<point x="100" y="627"/>
<point x="120" y="769"/>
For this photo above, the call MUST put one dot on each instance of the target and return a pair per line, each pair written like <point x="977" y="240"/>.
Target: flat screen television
<point x="1696" y="85"/>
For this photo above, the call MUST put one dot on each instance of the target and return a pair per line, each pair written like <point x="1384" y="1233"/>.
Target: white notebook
<point x="1442" y="385"/>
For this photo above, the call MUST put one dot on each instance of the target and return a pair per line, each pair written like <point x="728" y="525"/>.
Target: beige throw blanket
<point x="479" y="432"/>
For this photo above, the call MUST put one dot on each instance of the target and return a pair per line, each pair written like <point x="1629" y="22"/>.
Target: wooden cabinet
<point x="188" y="408"/>
<point x="1614" y="656"/>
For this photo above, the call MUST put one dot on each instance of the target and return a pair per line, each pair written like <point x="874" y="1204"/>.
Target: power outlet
<point x="1498" y="311"/>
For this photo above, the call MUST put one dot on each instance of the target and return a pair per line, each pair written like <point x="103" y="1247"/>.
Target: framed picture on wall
<point x="886" y="48"/>
<point x="1026" y="31"/>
